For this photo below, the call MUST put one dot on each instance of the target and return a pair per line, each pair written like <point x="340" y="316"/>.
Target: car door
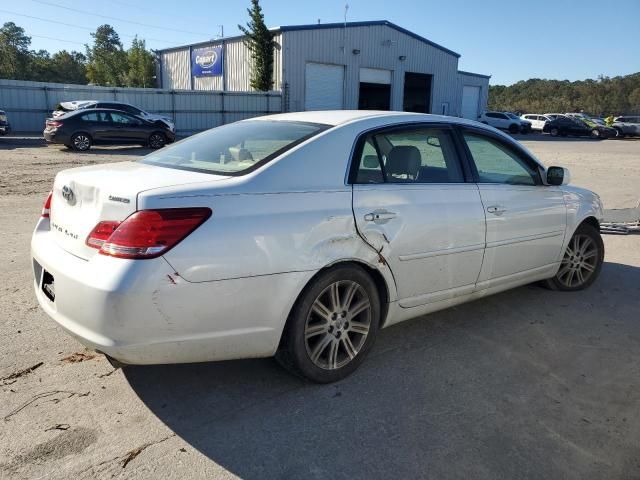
<point x="411" y="203"/>
<point x="127" y="128"/>
<point x="526" y="220"/>
<point x="97" y="124"/>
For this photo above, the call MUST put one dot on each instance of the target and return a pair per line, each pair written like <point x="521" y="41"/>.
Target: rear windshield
<point x="236" y="148"/>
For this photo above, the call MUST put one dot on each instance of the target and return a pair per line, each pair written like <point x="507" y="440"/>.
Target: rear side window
<point x="497" y="163"/>
<point x="425" y="155"/>
<point x="94" y="117"/>
<point x="235" y="148"/>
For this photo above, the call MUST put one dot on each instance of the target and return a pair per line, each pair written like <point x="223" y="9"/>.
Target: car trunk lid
<point x="85" y="196"/>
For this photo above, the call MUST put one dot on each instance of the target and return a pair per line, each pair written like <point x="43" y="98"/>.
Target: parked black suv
<point x="81" y="129"/>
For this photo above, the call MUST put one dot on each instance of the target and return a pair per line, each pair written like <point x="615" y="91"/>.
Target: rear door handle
<point x="379" y="216"/>
<point x="496" y="209"/>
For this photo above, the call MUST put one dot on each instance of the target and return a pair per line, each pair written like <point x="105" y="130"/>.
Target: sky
<point x="512" y="41"/>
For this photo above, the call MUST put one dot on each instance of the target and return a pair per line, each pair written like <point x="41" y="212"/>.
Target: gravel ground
<point x="524" y="384"/>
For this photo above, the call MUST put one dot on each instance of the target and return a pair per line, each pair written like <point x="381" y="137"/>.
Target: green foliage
<point x="68" y="67"/>
<point x="14" y="52"/>
<point x="603" y="96"/>
<point x="141" y="63"/>
<point x="19" y="63"/>
<point x="107" y="61"/>
<point x="260" y="42"/>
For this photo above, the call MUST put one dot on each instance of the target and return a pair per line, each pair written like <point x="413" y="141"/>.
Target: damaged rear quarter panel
<point x="264" y="234"/>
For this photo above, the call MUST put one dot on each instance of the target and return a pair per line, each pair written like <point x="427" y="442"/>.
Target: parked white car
<point x="537" y="121"/>
<point x="505" y="121"/>
<point x="300" y="235"/>
<point x="113" y="105"/>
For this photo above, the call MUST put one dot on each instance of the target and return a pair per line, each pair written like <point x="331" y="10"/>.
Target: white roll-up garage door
<point x="470" y="101"/>
<point x="324" y="85"/>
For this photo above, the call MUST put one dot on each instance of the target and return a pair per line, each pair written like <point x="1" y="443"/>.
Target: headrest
<point x="370" y="161"/>
<point x="404" y="160"/>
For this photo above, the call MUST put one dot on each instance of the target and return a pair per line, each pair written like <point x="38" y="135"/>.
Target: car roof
<point x="93" y="110"/>
<point x="341" y="117"/>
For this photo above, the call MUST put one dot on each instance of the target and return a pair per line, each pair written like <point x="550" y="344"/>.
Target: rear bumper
<point x="142" y="312"/>
<point x="52" y="136"/>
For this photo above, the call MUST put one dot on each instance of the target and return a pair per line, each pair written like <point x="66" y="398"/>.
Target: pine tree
<point x="107" y="60"/>
<point x="260" y="42"/>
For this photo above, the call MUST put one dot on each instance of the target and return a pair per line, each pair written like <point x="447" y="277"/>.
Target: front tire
<point x="554" y="132"/>
<point x="582" y="261"/>
<point x="595" y="134"/>
<point x="81" y="142"/>
<point x="157" y="140"/>
<point x="332" y="325"/>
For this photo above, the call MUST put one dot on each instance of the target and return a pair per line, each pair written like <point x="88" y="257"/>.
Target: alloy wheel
<point x="337" y="324"/>
<point x="156" y="141"/>
<point x="81" y="142"/>
<point x="580" y="261"/>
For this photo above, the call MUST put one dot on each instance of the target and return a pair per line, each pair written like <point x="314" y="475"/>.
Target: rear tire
<point x="581" y="263"/>
<point x="157" y="140"/>
<point x="554" y="132"/>
<point x="81" y="142"/>
<point x="513" y="128"/>
<point x="595" y="134"/>
<point x="332" y="325"/>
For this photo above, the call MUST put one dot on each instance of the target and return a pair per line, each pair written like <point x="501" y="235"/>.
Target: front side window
<point x="497" y="163"/>
<point x="424" y="155"/>
<point x="122" y="119"/>
<point x="236" y="148"/>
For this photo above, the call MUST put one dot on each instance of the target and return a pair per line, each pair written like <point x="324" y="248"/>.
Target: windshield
<point x="236" y="148"/>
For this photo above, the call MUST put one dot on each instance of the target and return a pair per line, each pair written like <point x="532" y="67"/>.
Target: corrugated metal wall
<point x="176" y="67"/>
<point x="28" y="104"/>
<point x="465" y="78"/>
<point x="380" y="47"/>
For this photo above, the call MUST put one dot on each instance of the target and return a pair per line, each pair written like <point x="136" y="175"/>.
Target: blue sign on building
<point x="206" y="61"/>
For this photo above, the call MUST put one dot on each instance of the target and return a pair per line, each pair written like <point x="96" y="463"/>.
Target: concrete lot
<point x="525" y="384"/>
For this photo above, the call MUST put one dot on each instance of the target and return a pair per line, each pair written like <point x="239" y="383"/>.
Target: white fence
<point x="28" y="104"/>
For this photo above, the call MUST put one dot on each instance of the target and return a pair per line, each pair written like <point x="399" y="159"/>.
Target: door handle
<point x="379" y="216"/>
<point x="496" y="209"/>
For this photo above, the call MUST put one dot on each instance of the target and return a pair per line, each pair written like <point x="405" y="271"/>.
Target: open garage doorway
<point x="417" y="92"/>
<point x="375" y="89"/>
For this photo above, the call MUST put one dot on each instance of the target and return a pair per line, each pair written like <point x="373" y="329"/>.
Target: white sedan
<point x="300" y="235"/>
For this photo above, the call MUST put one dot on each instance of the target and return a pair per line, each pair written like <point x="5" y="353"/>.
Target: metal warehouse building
<point x="354" y="65"/>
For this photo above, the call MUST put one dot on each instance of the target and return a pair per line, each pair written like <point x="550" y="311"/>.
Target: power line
<point x="75" y="10"/>
<point x="57" y="39"/>
<point x="76" y="26"/>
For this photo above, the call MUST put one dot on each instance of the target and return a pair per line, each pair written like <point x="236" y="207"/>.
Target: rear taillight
<point x="147" y="233"/>
<point x="46" y="208"/>
<point x="101" y="233"/>
<point x="53" y="124"/>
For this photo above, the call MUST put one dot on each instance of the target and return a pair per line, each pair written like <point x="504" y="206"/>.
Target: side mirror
<point x="558" y="176"/>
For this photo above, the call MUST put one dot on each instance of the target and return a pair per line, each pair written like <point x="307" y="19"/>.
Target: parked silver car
<point x="627" y="126"/>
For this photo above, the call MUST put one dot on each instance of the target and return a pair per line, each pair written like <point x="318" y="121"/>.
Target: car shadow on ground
<point x="529" y="382"/>
<point x="15" y="142"/>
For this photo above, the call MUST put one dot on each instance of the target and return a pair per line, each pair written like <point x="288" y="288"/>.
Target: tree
<point x="14" y="52"/>
<point x="260" y="42"/>
<point x="141" y="65"/>
<point x="602" y="96"/>
<point x="68" y="67"/>
<point x="107" y="61"/>
<point x="39" y="67"/>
